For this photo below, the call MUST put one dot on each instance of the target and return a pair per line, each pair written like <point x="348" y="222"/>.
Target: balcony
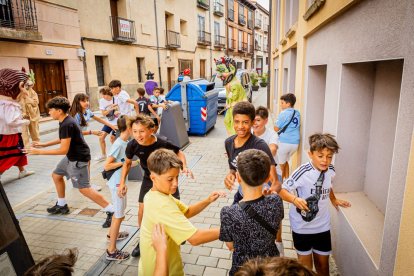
<point x="258" y="23"/>
<point x="123" y="30"/>
<point x="230" y="14"/>
<point x="257" y="47"/>
<point x="265" y="48"/>
<point x="250" y="49"/>
<point x="250" y="23"/>
<point x="266" y="28"/>
<point x="242" y="47"/>
<point x="204" y="38"/>
<point x="204" y="4"/>
<point x="242" y="19"/>
<point x="232" y="44"/>
<point x="219" y="41"/>
<point x="173" y="40"/>
<point x="18" y="20"/>
<point x="218" y="8"/>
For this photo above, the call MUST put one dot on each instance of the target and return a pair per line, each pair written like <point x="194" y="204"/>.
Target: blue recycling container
<point x="201" y="104"/>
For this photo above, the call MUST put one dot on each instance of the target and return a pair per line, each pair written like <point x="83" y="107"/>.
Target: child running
<point x="249" y="228"/>
<point x="157" y="103"/>
<point x="115" y="160"/>
<point x="310" y="220"/>
<point x="145" y="105"/>
<point x="75" y="163"/>
<point x="163" y="208"/>
<point x="243" y="118"/>
<point x="143" y="144"/>
<point x="109" y="109"/>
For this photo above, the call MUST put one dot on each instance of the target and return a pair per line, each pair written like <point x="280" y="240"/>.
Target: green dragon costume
<point x="226" y="70"/>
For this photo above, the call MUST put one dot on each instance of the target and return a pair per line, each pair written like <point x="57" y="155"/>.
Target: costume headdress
<point x="9" y="81"/>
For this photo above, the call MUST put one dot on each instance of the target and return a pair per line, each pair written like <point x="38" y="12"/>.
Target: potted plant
<point x="255" y="80"/>
<point x="263" y="80"/>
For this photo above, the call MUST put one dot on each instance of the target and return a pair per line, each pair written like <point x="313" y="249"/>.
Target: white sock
<point x="281" y="248"/>
<point x="61" y="202"/>
<point x="109" y="208"/>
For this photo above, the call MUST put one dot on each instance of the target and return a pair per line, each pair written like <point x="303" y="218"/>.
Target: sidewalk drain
<point x="89" y="212"/>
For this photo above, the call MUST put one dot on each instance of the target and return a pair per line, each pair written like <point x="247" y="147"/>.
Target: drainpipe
<point x="158" y="47"/>
<point x="269" y="53"/>
<point x="85" y="69"/>
<point x="212" y="40"/>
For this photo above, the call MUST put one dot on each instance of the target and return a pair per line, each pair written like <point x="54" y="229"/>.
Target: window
<point x="100" y="70"/>
<point x="216" y="28"/>
<point x="201" y="23"/>
<point x="230" y="9"/>
<point x="184" y="64"/>
<point x="183" y="27"/>
<point x="141" y="69"/>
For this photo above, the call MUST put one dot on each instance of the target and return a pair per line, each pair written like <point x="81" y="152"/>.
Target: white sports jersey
<point x="303" y="181"/>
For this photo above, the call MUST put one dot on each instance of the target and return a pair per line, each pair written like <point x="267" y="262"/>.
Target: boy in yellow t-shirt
<point x="162" y="208"/>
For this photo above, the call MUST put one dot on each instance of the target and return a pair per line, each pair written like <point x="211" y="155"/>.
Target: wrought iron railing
<point x="122" y="29"/>
<point x="258" y="23"/>
<point x="265" y="47"/>
<point x="173" y="39"/>
<point x="231" y="44"/>
<point x="219" y="41"/>
<point x="218" y="8"/>
<point x="230" y="14"/>
<point x="204" y="38"/>
<point x="204" y="4"/>
<point x="18" y="14"/>
<point x="258" y="47"/>
<point x="265" y="28"/>
<point x="242" y="46"/>
<point x="250" y="23"/>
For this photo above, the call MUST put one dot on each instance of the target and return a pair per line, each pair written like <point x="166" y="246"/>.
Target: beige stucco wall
<point x="58" y="23"/>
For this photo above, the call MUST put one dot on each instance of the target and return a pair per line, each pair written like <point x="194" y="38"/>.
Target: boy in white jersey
<point x="310" y="220"/>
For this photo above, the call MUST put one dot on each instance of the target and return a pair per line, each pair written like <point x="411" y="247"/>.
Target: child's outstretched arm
<point x="297" y="201"/>
<point x="102" y="121"/>
<point x="195" y="209"/>
<point x="62" y="150"/>
<point x="336" y="202"/>
<point x="185" y="170"/>
<point x="204" y="236"/>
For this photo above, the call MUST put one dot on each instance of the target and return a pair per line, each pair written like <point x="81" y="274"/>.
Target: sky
<point x="264" y="3"/>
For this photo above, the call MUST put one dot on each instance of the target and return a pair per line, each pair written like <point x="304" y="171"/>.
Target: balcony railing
<point x="250" y="49"/>
<point x="242" y="19"/>
<point x="250" y="23"/>
<point x="218" y="8"/>
<point x="257" y="47"/>
<point x="231" y="44"/>
<point x="266" y="28"/>
<point x="18" y="14"/>
<point x="204" y="38"/>
<point x="173" y="39"/>
<point x="258" y="23"/>
<point x="123" y="30"/>
<point x="265" y="48"/>
<point x="204" y="4"/>
<point x="230" y="14"/>
<point x="242" y="47"/>
<point x="219" y="41"/>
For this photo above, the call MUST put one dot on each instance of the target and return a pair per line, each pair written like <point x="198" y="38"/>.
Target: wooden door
<point x="170" y="78"/>
<point x="50" y="80"/>
<point x="202" y="68"/>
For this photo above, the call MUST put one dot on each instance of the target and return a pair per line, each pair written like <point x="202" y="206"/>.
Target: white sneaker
<point x="96" y="187"/>
<point x="25" y="173"/>
<point x="281" y="248"/>
<point x="99" y="158"/>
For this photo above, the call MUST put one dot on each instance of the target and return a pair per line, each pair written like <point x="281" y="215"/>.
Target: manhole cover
<point x="89" y="212"/>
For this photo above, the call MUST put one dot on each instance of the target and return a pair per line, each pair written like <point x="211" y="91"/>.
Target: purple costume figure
<point x="150" y="84"/>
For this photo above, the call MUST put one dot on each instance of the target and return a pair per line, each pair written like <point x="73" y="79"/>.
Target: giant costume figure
<point x="226" y="71"/>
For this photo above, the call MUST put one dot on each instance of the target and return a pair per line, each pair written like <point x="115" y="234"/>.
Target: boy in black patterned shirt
<point x="240" y="229"/>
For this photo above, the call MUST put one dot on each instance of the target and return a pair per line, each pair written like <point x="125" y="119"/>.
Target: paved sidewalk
<point x="46" y="234"/>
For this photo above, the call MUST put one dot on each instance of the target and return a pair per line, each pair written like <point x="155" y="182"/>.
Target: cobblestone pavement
<point x="46" y="234"/>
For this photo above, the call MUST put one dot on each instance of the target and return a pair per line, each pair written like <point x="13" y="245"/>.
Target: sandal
<point x="118" y="255"/>
<point x="121" y="236"/>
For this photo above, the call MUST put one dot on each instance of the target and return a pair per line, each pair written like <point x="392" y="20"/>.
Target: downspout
<point x="212" y="40"/>
<point x="158" y="47"/>
<point x="85" y="69"/>
<point x="269" y="53"/>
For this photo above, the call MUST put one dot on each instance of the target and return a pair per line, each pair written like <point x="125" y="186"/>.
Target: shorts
<point x="118" y="203"/>
<point x="108" y="130"/>
<point x="285" y="151"/>
<point x="319" y="243"/>
<point x="76" y="171"/>
<point x="147" y="185"/>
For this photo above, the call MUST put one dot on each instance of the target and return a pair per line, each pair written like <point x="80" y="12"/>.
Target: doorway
<point x="50" y="81"/>
<point x="202" y="68"/>
<point x="170" y="75"/>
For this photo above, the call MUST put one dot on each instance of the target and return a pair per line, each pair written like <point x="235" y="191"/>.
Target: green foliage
<point x="254" y="77"/>
<point x="264" y="78"/>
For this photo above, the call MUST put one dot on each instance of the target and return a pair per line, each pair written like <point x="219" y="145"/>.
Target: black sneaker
<point x="108" y="220"/>
<point x="136" y="252"/>
<point x="58" y="209"/>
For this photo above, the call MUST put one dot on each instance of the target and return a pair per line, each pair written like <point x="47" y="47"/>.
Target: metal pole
<point x="269" y="54"/>
<point x="156" y="34"/>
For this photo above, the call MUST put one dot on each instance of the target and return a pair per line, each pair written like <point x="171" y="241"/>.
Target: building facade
<point x="261" y="46"/>
<point x="239" y="32"/>
<point x="43" y="36"/>
<point x="158" y="36"/>
<point x="351" y="67"/>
